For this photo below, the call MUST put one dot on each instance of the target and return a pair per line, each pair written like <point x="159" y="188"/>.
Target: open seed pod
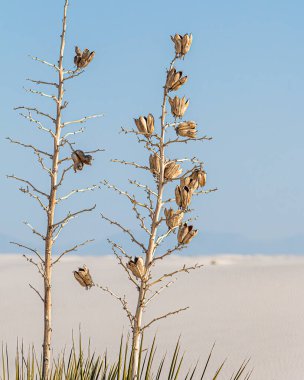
<point x="187" y="129"/>
<point x="82" y="59"/>
<point x="175" y="79"/>
<point x="79" y="159"/>
<point x="173" y="218"/>
<point x="182" y="44"/>
<point x="145" y="124"/>
<point x="189" y="182"/>
<point x="154" y="161"/>
<point x="178" y="106"/>
<point x="186" y="234"/>
<point x="172" y="170"/>
<point x="137" y="267"/>
<point x="83" y="277"/>
<point x="183" y="195"/>
<point x="200" y="176"/>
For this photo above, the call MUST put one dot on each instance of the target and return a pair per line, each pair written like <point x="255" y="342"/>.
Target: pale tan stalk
<point x="51" y="210"/>
<point x="137" y="325"/>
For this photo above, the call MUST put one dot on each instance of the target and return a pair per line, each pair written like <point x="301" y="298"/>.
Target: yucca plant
<point x="78" y="365"/>
<point x="54" y="163"/>
<point x="175" y="185"/>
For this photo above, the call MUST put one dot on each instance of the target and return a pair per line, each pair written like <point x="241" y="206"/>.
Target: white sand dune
<point x="252" y="306"/>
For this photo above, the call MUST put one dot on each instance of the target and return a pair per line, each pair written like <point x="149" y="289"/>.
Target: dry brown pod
<point x="200" y="176"/>
<point x="154" y="161"/>
<point x="182" y="44"/>
<point x="173" y="218"/>
<point x="172" y="170"/>
<point x="137" y="267"/>
<point x="183" y="195"/>
<point x="79" y="159"/>
<point x="82" y="59"/>
<point x="178" y="106"/>
<point x="145" y="124"/>
<point x="187" y="129"/>
<point x="83" y="276"/>
<point x="192" y="183"/>
<point x="186" y="234"/>
<point x="175" y="79"/>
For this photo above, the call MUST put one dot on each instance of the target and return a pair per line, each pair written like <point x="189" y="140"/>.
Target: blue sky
<point x="245" y="85"/>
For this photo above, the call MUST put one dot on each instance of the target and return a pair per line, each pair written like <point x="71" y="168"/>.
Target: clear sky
<point x="245" y="84"/>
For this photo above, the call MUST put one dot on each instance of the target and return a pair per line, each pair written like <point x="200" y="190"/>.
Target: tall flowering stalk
<point x="54" y="164"/>
<point x="163" y="219"/>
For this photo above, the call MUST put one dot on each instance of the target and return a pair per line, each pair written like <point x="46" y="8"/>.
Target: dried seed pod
<point x="183" y="195"/>
<point x="192" y="183"/>
<point x="145" y="125"/>
<point x="200" y="176"/>
<point x="175" y="79"/>
<point x="178" y="106"/>
<point x="187" y="129"/>
<point x="185" y="234"/>
<point x="173" y="218"/>
<point x="82" y="59"/>
<point x="83" y="277"/>
<point x="137" y="267"/>
<point x="182" y="44"/>
<point x="154" y="160"/>
<point x="172" y="170"/>
<point x="79" y="159"/>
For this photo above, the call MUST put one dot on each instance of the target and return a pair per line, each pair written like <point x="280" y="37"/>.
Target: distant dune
<point x="252" y="306"/>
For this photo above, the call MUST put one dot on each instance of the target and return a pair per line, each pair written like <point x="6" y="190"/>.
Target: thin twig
<point x="163" y="316"/>
<point x="37" y="292"/>
<point x="73" y="249"/>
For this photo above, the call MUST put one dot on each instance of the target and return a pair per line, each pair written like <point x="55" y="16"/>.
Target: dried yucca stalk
<point x="152" y="215"/>
<point x="53" y="160"/>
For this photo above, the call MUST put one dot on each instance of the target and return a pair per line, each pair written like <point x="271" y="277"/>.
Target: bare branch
<point x="114" y="246"/>
<point x="72" y="215"/>
<point x="38" y="112"/>
<point x="205" y="191"/>
<point x="29" y="249"/>
<point x="28" y="183"/>
<point x="53" y="97"/>
<point x="82" y="120"/>
<point x="127" y="231"/>
<point x="39" y="267"/>
<point x="36" y="150"/>
<point x="164" y="316"/>
<point x="145" y="187"/>
<point x="38" y="123"/>
<point x="34" y="230"/>
<point x="91" y="188"/>
<point x="122" y="300"/>
<point x="81" y="130"/>
<point x="45" y="62"/>
<point x="41" y="162"/>
<point x="37" y="292"/>
<point x="178" y="140"/>
<point x="32" y="195"/>
<point x="73" y="249"/>
<point x="131" y="164"/>
<point x="131" y="198"/>
<point x="157" y="292"/>
<point x="74" y="73"/>
<point x="43" y="82"/>
<point x="169" y="252"/>
<point x="181" y="270"/>
<point x="63" y="175"/>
